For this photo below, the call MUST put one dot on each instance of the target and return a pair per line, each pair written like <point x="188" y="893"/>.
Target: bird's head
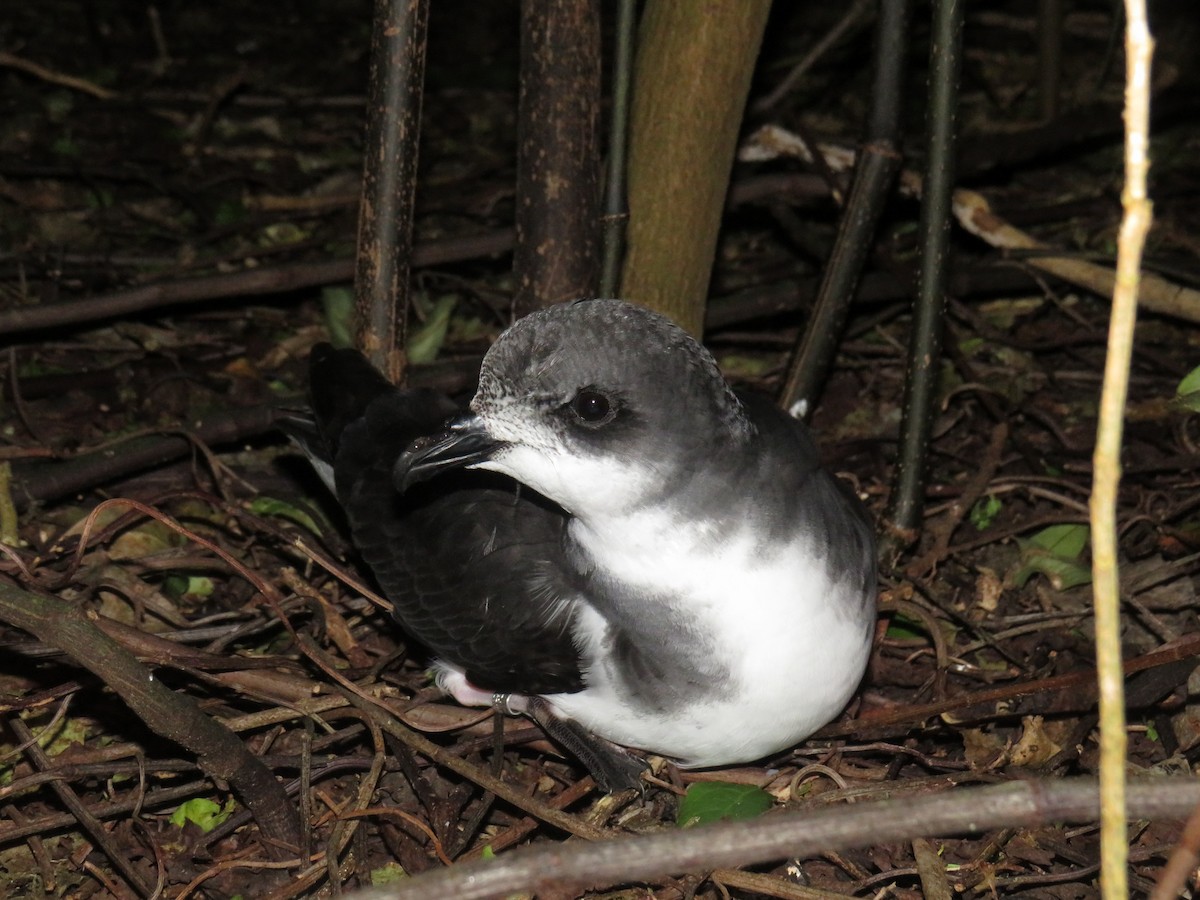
<point x="598" y="405"/>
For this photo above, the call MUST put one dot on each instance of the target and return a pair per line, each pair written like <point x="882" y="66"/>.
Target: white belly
<point x="794" y="645"/>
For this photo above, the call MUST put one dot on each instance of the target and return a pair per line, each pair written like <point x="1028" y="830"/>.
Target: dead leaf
<point x="1035" y="746"/>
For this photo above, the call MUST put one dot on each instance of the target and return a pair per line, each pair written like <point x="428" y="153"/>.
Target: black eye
<point x="592" y="407"/>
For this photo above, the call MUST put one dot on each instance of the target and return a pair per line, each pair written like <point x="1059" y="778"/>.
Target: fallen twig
<point x="794" y="833"/>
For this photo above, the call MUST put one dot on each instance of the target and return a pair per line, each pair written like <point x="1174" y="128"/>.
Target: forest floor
<point x="178" y="205"/>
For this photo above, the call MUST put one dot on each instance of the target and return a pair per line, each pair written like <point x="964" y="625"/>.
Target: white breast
<point x="775" y="623"/>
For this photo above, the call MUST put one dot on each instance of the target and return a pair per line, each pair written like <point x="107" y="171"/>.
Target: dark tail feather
<point x="360" y="421"/>
<point x="341" y="386"/>
<point x="302" y="429"/>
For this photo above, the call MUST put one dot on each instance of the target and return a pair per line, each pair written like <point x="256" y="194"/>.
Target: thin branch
<point x="1071" y="686"/>
<point x="561" y="869"/>
<point x="1135" y="222"/>
<point x="616" y="204"/>
<point x="12" y="61"/>
<point x="873" y="178"/>
<point x="853" y="14"/>
<point x="235" y="285"/>
<point x="924" y="356"/>
<point x="87" y="821"/>
<point x="1155" y="293"/>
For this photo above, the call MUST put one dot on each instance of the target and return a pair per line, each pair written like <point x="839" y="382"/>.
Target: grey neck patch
<point x="662" y="661"/>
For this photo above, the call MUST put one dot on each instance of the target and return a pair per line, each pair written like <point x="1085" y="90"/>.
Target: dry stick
<point x="12" y="61"/>
<point x="173" y="715"/>
<point x="385" y="217"/>
<point x="1106" y="462"/>
<point x="973" y="213"/>
<point x="329" y="862"/>
<point x="1155" y="293"/>
<point x="133" y="804"/>
<point x="525" y="825"/>
<point x="795" y="833"/>
<point x="1182" y="863"/>
<point x="893" y="721"/>
<point x="770" y="885"/>
<point x="934" y="884"/>
<point x="47" y="480"/>
<point x="251" y="282"/>
<point x="505" y="791"/>
<point x="853" y="14"/>
<point x="943" y="529"/>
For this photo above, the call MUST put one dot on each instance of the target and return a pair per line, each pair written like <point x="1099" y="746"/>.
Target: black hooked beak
<point x="465" y="442"/>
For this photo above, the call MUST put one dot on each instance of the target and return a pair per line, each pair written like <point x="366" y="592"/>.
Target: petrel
<point x="610" y="541"/>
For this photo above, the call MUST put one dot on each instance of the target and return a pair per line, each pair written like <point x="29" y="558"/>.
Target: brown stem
<point x="557" y="868"/>
<point x="385" y="217"/>
<point x="251" y="282"/>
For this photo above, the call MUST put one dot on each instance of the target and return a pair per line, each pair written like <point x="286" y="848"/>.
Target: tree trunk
<point x="691" y="79"/>
<point x="385" y="218"/>
<point x="557" y="255"/>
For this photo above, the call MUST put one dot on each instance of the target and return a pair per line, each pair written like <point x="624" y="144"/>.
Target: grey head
<point x="599" y="405"/>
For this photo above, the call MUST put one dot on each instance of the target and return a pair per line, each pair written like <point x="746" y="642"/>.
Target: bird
<point x="608" y="540"/>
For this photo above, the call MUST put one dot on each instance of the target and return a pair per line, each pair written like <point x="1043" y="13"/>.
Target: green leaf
<point x="201" y="812"/>
<point x="426" y="341"/>
<point x="271" y="506"/>
<point x="1064" y="541"/>
<point x="280" y="234"/>
<point x="229" y="212"/>
<point x="70" y="731"/>
<point x="1055" y="552"/>
<point x="178" y="586"/>
<point x="714" y="801"/>
<point x="388" y="873"/>
<point x="905" y="628"/>
<point x="338" y="304"/>
<point x="1187" y="394"/>
<point x="984" y="512"/>
<point x="1190" y="383"/>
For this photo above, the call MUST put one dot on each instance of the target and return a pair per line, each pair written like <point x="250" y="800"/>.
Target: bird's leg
<point x="500" y="709"/>
<point x="614" y="768"/>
